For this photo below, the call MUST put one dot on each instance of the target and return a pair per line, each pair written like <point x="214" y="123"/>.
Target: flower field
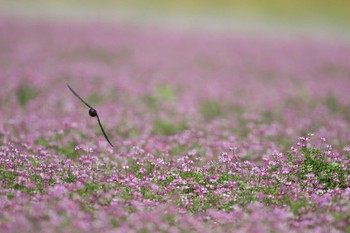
<point x="211" y="133"/>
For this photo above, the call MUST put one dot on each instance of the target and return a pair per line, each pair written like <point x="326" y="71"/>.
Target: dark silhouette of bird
<point x="92" y="113"/>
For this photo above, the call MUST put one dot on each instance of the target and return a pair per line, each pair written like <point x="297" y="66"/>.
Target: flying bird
<point x="92" y="112"/>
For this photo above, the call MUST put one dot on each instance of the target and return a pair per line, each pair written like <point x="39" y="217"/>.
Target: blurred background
<point x="289" y="17"/>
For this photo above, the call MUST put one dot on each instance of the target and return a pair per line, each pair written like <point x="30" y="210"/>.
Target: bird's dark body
<point x="92" y="112"/>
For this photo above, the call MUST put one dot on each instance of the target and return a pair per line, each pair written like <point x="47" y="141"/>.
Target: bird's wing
<point x="71" y="89"/>
<point x="104" y="133"/>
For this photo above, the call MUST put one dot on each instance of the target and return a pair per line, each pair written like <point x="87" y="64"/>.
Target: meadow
<point x="211" y="132"/>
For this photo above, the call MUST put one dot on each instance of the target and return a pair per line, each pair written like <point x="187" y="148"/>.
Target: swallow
<point x="92" y="113"/>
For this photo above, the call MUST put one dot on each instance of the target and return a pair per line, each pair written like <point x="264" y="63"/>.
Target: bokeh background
<point x="201" y="123"/>
<point x="288" y="17"/>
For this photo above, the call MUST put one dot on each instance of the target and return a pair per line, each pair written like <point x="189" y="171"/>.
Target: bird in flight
<point x="92" y="112"/>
